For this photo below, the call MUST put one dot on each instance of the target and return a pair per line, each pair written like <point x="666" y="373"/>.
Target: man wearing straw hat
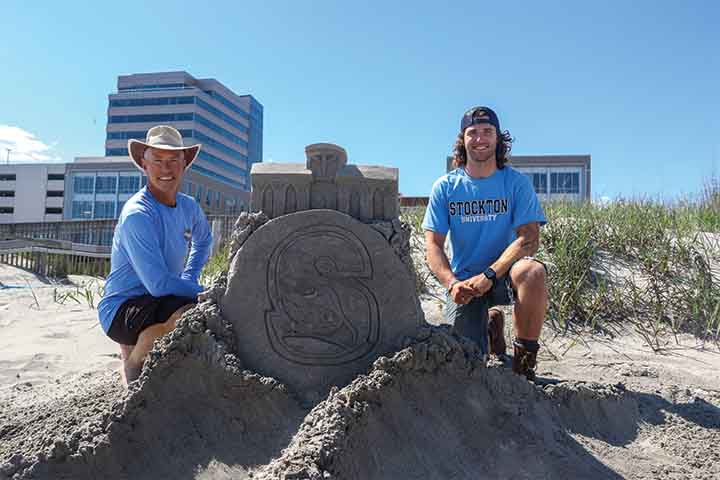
<point x="161" y="243"/>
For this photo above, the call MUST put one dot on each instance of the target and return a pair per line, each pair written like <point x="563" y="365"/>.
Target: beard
<point x="481" y="157"/>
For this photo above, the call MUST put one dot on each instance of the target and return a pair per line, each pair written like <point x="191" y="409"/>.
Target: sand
<point x="603" y="408"/>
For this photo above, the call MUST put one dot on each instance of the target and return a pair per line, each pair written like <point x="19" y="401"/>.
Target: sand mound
<point x="432" y="410"/>
<point x="194" y="414"/>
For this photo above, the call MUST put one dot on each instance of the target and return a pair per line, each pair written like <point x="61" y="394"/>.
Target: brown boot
<point x="496" y="332"/>
<point x="524" y="360"/>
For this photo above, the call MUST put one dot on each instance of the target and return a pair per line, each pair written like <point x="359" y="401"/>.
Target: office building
<point x="32" y="192"/>
<point x="205" y="111"/>
<point x="229" y="126"/>
<point x="557" y="177"/>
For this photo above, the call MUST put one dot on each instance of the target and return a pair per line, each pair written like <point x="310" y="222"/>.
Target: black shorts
<point x="139" y="313"/>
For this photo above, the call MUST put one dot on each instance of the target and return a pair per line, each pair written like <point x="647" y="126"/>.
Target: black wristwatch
<point x="490" y="275"/>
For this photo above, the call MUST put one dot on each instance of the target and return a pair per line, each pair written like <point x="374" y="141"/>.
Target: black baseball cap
<point x="478" y="115"/>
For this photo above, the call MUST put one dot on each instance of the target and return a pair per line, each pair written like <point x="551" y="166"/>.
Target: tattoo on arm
<point x="530" y="235"/>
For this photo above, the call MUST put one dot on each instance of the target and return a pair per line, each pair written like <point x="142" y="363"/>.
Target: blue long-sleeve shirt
<point x="157" y="250"/>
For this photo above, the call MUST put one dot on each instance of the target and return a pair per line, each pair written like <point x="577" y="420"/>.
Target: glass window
<point x="223" y="116"/>
<point x="204" y="171"/>
<point x="7" y="209"/>
<point x="218" y="129"/>
<point x="83" y="183"/>
<point x="158" y="86"/>
<point x="539" y="182"/>
<point x="56" y="176"/>
<point x="214" y="143"/>
<point x="116" y="152"/>
<point x="140" y="102"/>
<point x="199" y="193"/>
<point x="138" y="135"/>
<point x="208" y="197"/>
<point x="143" y="181"/>
<point x="157" y="117"/>
<point x="55" y="193"/>
<point x="228" y="103"/>
<point x="7" y="177"/>
<point x="53" y="210"/>
<point x="121" y="204"/>
<point x="105" y="209"/>
<point x="81" y="209"/>
<point x="210" y="158"/>
<point x="565" y="182"/>
<point x="129" y="184"/>
<point x="7" y="193"/>
<point x="106" y="184"/>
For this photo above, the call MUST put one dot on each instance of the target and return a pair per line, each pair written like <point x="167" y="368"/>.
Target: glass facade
<point x="139" y="135"/>
<point x="208" y="173"/>
<point x="255" y="147"/>
<point x="82" y="209"/>
<point x="204" y="139"/>
<point x="565" y="182"/>
<point x="152" y="87"/>
<point x="96" y="194"/>
<point x="129" y="184"/>
<point x="220" y="114"/>
<point x="84" y="184"/>
<point x="151" y="117"/>
<point x="228" y="103"/>
<point x="539" y="182"/>
<point x="141" y="102"/>
<point x="220" y="131"/>
<point x="106" y="184"/>
<point x="104" y="209"/>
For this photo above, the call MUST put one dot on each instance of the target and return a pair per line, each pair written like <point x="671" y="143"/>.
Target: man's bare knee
<point x="177" y="314"/>
<point x="529" y="274"/>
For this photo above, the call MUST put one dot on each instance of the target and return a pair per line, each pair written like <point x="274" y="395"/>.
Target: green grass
<point x="667" y="286"/>
<point x="216" y="266"/>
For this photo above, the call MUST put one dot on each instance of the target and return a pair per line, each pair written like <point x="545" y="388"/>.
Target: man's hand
<point x="461" y="293"/>
<point x="480" y="284"/>
<point x="204" y="295"/>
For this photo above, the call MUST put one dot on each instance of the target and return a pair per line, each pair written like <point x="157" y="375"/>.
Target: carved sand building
<point x="326" y="180"/>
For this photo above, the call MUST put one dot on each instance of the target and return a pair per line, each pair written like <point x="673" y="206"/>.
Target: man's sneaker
<point x="524" y="361"/>
<point x="496" y="332"/>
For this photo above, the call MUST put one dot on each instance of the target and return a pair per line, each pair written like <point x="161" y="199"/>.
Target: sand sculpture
<point x="326" y="181"/>
<point x="311" y="360"/>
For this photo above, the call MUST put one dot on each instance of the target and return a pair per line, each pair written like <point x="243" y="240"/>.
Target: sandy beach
<point x="618" y="410"/>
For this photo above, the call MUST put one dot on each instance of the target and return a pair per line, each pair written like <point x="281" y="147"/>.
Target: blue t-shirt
<point x="481" y="215"/>
<point x="157" y="250"/>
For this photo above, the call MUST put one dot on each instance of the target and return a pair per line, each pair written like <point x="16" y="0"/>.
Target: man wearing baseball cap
<point x="493" y="216"/>
<point x="161" y="243"/>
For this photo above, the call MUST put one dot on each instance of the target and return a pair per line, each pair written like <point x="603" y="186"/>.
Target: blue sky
<point x="634" y="84"/>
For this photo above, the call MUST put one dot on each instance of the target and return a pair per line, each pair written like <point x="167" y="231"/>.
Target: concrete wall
<point x="27" y="195"/>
